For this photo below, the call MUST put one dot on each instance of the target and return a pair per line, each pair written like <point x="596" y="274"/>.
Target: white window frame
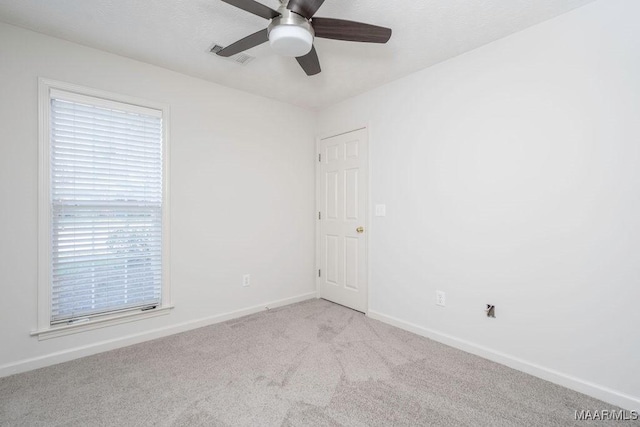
<point x="44" y="329"/>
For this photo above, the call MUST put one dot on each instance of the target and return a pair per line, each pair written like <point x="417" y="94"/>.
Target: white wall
<point x="242" y="195"/>
<point x="511" y="176"/>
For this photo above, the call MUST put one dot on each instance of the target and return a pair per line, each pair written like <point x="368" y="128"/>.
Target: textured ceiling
<point x="178" y="34"/>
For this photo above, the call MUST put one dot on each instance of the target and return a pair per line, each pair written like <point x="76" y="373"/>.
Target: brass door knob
<point x="360" y="229"/>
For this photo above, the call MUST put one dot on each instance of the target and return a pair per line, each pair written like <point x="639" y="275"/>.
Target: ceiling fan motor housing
<point x="290" y="34"/>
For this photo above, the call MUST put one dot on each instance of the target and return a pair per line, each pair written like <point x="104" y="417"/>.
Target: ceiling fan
<point x="293" y="28"/>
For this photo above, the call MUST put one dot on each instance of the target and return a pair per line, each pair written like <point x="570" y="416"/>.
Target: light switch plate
<point x="381" y="210"/>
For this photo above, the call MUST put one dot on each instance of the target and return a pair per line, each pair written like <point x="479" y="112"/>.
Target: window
<point x="103" y="208"/>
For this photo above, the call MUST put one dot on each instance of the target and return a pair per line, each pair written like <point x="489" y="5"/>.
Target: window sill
<point x="99" y="322"/>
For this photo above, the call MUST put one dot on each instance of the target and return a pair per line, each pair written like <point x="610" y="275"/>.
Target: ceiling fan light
<point x="290" y="40"/>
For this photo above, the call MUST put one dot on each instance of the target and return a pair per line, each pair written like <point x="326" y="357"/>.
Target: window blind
<point x="106" y="208"/>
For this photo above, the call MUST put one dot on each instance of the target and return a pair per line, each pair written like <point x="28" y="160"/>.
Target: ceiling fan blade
<point x="254" y="7"/>
<point x="339" y="29"/>
<point x="310" y="63"/>
<point x="248" y="42"/>
<point x="306" y="8"/>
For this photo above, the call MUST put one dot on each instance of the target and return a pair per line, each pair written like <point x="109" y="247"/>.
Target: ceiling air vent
<point x="240" y="58"/>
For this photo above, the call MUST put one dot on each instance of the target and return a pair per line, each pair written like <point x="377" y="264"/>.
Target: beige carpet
<point x="312" y="363"/>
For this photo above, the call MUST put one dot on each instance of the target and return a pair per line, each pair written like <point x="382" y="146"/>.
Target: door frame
<point x="367" y="129"/>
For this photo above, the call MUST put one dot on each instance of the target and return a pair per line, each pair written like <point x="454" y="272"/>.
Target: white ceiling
<point x="178" y="34"/>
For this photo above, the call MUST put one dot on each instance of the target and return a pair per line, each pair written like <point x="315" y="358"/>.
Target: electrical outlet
<point x="441" y="298"/>
<point x="246" y="280"/>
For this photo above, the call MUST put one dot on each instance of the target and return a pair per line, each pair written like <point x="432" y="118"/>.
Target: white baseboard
<point x="605" y="394"/>
<point x="99" y="347"/>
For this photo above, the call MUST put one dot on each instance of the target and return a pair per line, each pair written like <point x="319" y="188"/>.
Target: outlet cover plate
<point x="441" y="298"/>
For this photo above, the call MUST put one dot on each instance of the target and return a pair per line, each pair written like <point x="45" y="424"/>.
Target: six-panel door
<point x="342" y="196"/>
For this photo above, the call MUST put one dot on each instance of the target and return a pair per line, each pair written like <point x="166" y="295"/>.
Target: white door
<point x="341" y="191"/>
